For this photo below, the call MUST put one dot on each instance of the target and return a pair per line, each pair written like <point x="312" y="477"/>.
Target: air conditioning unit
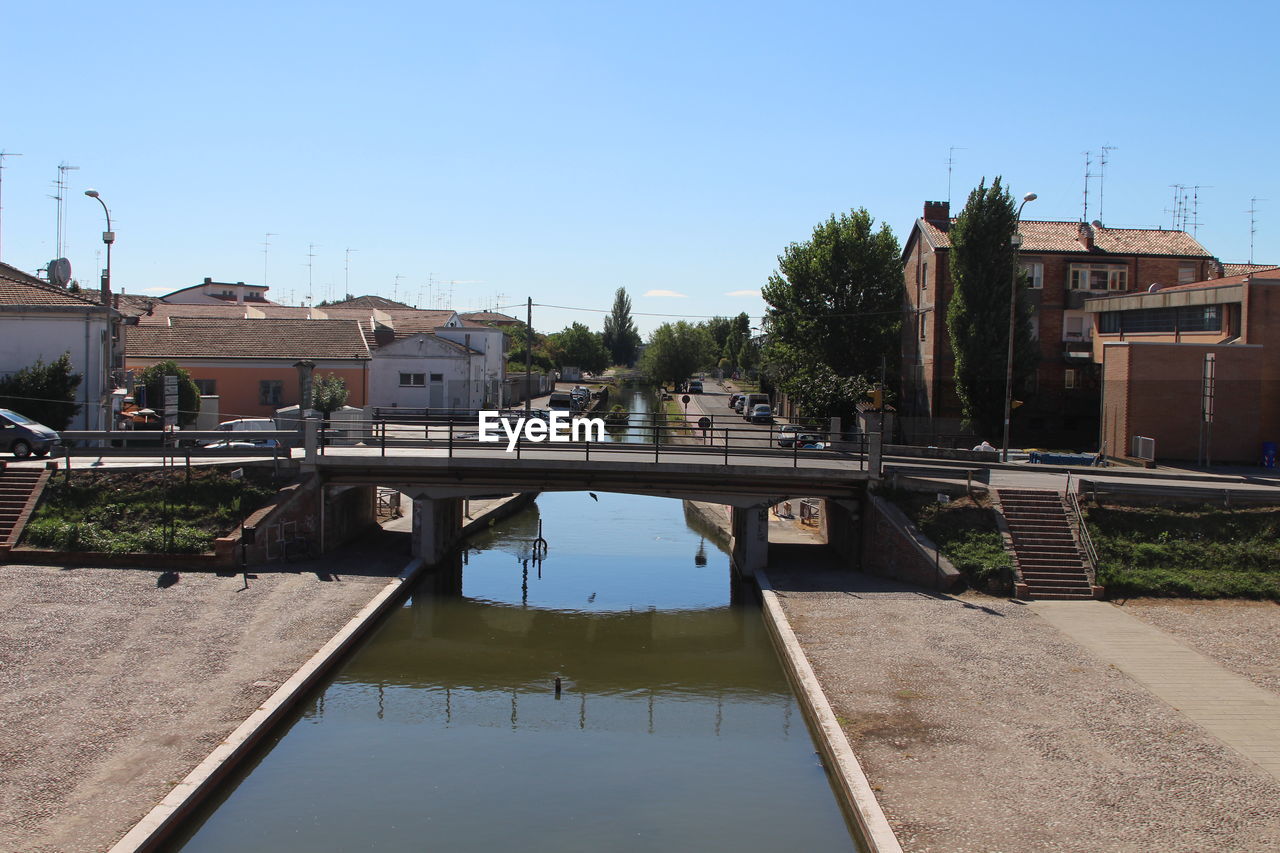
<point x="1143" y="448"/>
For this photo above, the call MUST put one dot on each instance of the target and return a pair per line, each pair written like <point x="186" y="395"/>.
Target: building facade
<point x="1064" y="264"/>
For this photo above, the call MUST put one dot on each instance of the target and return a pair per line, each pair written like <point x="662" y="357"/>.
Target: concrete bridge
<point x="440" y="478"/>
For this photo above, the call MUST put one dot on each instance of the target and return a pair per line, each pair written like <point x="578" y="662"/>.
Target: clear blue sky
<point x="562" y="150"/>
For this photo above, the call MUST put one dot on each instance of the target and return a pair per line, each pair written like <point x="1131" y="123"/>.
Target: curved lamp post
<point x="1013" y="311"/>
<point x="108" y="237"/>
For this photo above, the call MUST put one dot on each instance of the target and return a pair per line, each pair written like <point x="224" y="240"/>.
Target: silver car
<point x="23" y="437"/>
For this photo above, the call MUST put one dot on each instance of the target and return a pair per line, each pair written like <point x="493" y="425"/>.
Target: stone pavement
<point x="1229" y="707"/>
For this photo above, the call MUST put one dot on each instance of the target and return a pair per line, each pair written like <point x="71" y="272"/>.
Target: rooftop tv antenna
<point x="1253" y="223"/>
<point x="395" y="287"/>
<point x="311" y="257"/>
<point x="266" y="244"/>
<point x="1102" y="174"/>
<point x="1088" y="174"/>
<point x="951" y="159"/>
<point x="346" y="273"/>
<point x="61" y="187"/>
<point x="3" y="154"/>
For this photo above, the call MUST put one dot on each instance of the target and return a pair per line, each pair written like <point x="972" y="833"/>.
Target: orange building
<point x="1194" y="367"/>
<point x="251" y="364"/>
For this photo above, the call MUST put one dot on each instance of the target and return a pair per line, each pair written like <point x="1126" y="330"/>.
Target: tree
<point x="188" y="394"/>
<point x="676" y="351"/>
<point x="43" y="392"/>
<point x="620" y="336"/>
<point x="835" y="311"/>
<point x="580" y="347"/>
<point x="328" y="393"/>
<point x="982" y="259"/>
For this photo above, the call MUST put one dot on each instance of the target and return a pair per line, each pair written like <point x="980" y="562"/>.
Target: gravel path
<point x="984" y="729"/>
<point x="114" y="686"/>
<point x="1242" y="636"/>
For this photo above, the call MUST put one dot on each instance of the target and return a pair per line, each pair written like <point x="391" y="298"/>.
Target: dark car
<point x="23" y="437"/>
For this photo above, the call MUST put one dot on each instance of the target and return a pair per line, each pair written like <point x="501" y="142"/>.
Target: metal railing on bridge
<point x="646" y="434"/>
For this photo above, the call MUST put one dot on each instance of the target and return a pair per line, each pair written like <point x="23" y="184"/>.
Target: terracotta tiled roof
<point x="488" y="317"/>
<point x="1064" y="237"/>
<point x="1202" y="285"/>
<point x="367" y="302"/>
<point x="240" y="338"/>
<point x="22" y="288"/>
<point x="1242" y="269"/>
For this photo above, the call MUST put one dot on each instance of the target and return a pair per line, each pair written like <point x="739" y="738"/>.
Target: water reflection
<point x="674" y="727"/>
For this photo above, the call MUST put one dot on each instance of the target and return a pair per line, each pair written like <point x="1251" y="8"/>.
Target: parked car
<point x="234" y="443"/>
<point x="750" y="401"/>
<point x="787" y="435"/>
<point x="242" y="425"/>
<point x="24" y="437"/>
<point x="733" y="399"/>
<point x="695" y="386"/>
<point x="761" y="414"/>
<point x="561" y="401"/>
<point x="741" y="401"/>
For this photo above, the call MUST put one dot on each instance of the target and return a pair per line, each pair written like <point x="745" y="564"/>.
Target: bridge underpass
<point x="439" y="485"/>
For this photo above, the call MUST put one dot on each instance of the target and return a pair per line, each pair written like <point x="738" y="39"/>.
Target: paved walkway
<point x="1237" y="712"/>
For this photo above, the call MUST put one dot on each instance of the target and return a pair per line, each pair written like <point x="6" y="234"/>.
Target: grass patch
<point x="964" y="530"/>
<point x="1205" y="553"/>
<point x="126" y="512"/>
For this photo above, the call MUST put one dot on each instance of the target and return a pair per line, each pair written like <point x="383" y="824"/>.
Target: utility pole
<point x="528" y="360"/>
<point x="4" y="154"/>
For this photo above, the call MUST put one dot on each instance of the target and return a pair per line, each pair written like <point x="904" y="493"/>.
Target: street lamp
<point x="1016" y="240"/>
<point x="108" y="237"/>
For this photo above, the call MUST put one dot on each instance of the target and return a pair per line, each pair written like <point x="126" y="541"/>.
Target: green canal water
<point x="674" y="727"/>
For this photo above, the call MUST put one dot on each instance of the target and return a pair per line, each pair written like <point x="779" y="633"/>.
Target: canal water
<point x="674" y="727"/>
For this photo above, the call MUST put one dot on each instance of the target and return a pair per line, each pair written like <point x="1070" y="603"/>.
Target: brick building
<point x="1065" y="263"/>
<point x="1167" y="354"/>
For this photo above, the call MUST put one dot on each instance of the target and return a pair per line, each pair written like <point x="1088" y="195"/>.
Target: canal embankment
<point x="980" y="726"/>
<point x="122" y="686"/>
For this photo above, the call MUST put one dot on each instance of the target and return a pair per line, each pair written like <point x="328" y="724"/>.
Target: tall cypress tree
<point x="620" y="336"/>
<point x="982" y="258"/>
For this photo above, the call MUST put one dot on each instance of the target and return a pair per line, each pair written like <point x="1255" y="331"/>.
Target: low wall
<point x="894" y="548"/>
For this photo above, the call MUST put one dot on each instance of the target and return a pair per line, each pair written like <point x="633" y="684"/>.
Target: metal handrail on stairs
<point x="1085" y="539"/>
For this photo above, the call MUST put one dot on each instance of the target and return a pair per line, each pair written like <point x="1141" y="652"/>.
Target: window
<point x="271" y="392"/>
<point x="413" y="380"/>
<point x="924" y="326"/>
<point x="1071" y="378"/>
<point x="437" y="377"/>
<point x="207" y="387"/>
<point x="1034" y="272"/>
<point x="1186" y="273"/>
<point x="1073" y="327"/>
<point x="1099" y="277"/>
<point x="924" y="276"/>
<point x="1187" y="318"/>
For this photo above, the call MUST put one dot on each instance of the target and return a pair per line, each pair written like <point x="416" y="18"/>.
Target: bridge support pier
<point x="437" y="524"/>
<point x="750" y="530"/>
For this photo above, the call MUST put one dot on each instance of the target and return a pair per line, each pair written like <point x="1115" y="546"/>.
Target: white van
<point x="242" y="425"/>
<point x="752" y="400"/>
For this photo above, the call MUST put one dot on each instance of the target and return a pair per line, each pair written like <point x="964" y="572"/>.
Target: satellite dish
<point x="1097" y="223"/>
<point x="60" y="272"/>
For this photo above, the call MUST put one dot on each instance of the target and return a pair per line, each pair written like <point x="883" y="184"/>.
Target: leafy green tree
<point x="620" y="336"/>
<point x="676" y="351"/>
<point x="835" y="311"/>
<point x="188" y="394"/>
<point x="518" y="335"/>
<point x="43" y="392"/>
<point x="982" y="259"/>
<point x="328" y="393"/>
<point x="578" y="346"/>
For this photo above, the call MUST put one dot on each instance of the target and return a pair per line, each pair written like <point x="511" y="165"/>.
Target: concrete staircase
<point x="20" y="490"/>
<point x="1050" y="563"/>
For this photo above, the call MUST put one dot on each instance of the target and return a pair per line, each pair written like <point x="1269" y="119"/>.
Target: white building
<point x="427" y="371"/>
<point x="39" y="320"/>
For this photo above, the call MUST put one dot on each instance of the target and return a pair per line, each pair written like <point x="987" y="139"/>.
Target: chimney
<point x="240" y="292"/>
<point x="937" y="211"/>
<point x="1086" y="236"/>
